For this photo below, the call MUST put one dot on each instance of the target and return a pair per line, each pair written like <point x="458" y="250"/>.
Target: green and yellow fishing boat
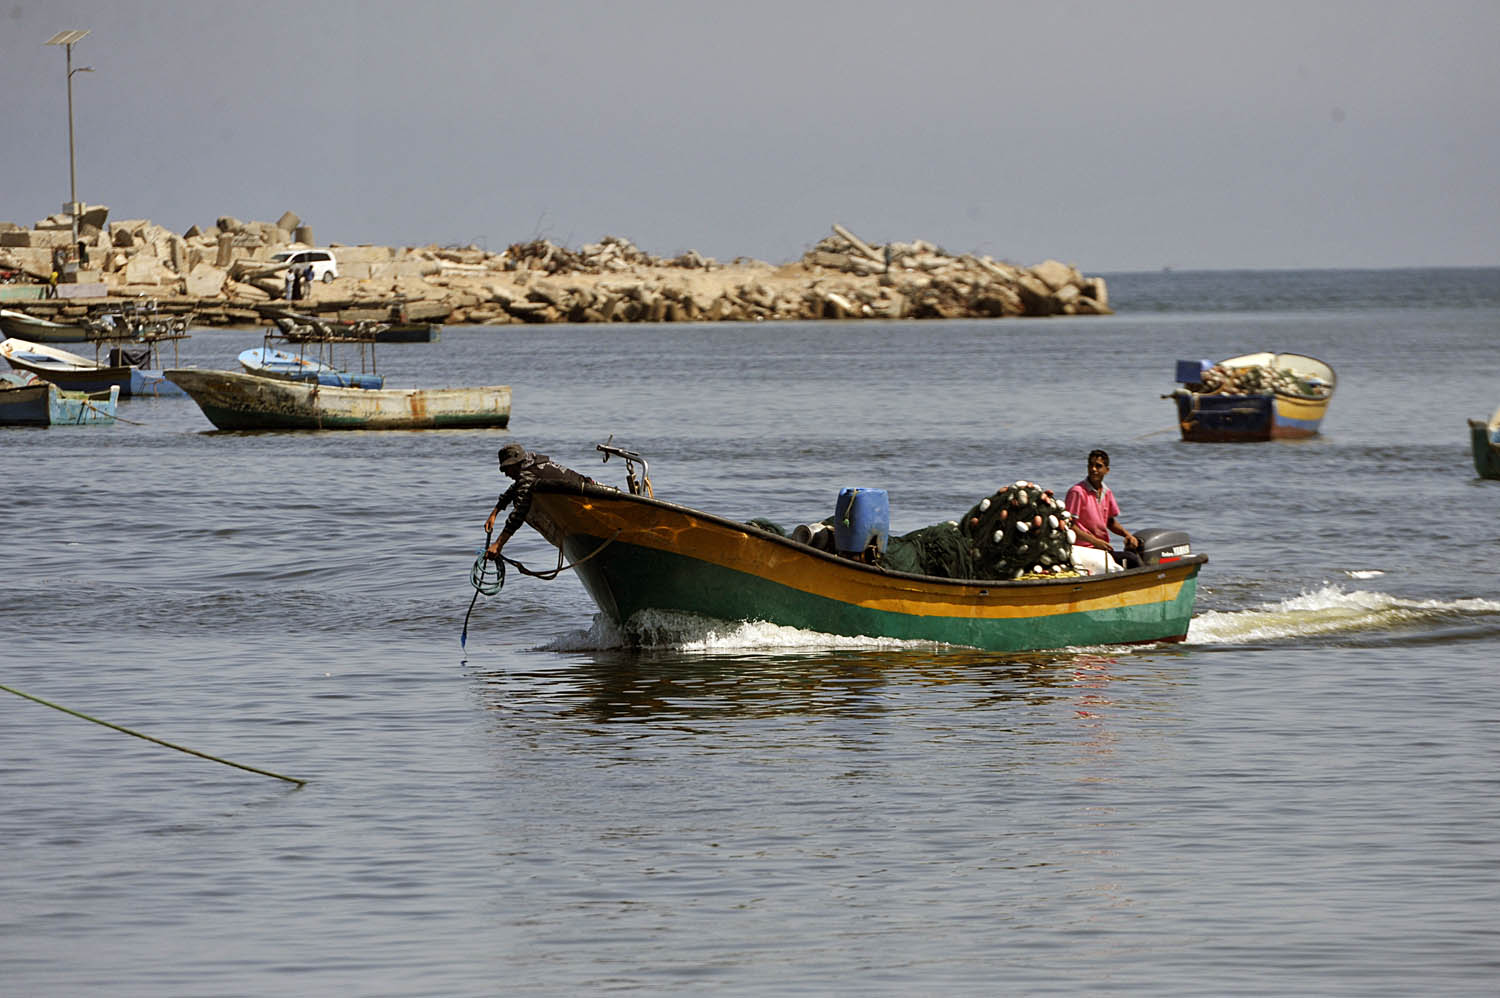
<point x="634" y="553"/>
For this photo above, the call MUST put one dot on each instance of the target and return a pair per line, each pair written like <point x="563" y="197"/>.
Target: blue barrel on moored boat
<point x="861" y="517"/>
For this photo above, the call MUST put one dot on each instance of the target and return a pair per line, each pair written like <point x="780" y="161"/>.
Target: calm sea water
<point x="1302" y="799"/>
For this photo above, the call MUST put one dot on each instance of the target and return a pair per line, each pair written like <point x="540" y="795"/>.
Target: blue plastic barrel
<point x="862" y="516"/>
<point x="1191" y="371"/>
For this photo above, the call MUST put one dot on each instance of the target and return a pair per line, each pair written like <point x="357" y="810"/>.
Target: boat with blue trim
<point x="129" y="369"/>
<point x="269" y="362"/>
<point x="1253" y="397"/>
<point x="27" y="400"/>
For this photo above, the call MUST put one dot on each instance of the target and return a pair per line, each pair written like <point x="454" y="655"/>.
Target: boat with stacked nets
<point x="1253" y="397"/>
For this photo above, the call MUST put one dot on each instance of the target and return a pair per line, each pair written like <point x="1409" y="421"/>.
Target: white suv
<point x="324" y="267"/>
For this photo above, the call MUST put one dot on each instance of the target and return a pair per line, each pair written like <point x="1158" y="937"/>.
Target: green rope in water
<point x="479" y="579"/>
<point x="158" y="741"/>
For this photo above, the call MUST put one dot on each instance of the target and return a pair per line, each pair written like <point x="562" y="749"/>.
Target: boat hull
<point x="266" y="362"/>
<point x="1212" y="418"/>
<point x="635" y="554"/>
<point x="44" y="404"/>
<point x="1485" y="448"/>
<point x="29" y="327"/>
<point x="409" y="332"/>
<point x="233" y="401"/>
<point x="1220" y="417"/>
<point x="73" y="373"/>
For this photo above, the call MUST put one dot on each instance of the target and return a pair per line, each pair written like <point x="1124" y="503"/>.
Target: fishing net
<point x="1257" y="379"/>
<point x="939" y="550"/>
<point x="1021" y="530"/>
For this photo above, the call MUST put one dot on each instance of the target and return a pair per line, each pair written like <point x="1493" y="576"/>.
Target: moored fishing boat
<point x="635" y="553"/>
<point x="71" y="372"/>
<point x="1254" y="397"/>
<point x="39" y="330"/>
<point x="269" y="362"/>
<point x="26" y="400"/>
<point x="234" y="401"/>
<point x="1484" y="442"/>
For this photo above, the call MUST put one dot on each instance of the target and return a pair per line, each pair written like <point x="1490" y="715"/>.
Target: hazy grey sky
<point x="1113" y="135"/>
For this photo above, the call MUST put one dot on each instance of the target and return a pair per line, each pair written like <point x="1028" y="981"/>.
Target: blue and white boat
<point x="27" y="400"/>
<point x="269" y="362"/>
<point x="73" y="373"/>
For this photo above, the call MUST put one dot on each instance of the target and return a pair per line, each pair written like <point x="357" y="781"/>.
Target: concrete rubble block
<point x="1098" y="290"/>
<point x="288" y="222"/>
<point x="1035" y="295"/>
<point x="1055" y="275"/>
<point x="228" y="223"/>
<point x="36" y="261"/>
<point x="96" y="215"/>
<point x="269" y="234"/>
<point x="144" y="268"/>
<point x="205" y="281"/>
<point x="361" y="254"/>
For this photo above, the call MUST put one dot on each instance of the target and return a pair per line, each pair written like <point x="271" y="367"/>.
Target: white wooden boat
<point x="71" y="372"/>
<point x="269" y="362"/>
<point x="234" y="401"/>
<point x="38" y="330"/>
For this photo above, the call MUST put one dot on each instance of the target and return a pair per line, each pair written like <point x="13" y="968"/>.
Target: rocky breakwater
<point x="225" y="274"/>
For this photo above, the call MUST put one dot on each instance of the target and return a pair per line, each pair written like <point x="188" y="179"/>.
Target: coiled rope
<point x="479" y="575"/>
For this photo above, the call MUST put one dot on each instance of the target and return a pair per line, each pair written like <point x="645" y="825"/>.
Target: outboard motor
<point x="1161" y="547"/>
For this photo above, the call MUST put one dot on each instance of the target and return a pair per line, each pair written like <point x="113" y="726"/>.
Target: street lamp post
<point x="66" y="39"/>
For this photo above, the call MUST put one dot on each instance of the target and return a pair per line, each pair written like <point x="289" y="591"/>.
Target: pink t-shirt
<point x="1093" y="512"/>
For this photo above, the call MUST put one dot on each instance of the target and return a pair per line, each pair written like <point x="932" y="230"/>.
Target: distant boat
<point x="69" y="371"/>
<point x="29" y="327"/>
<point x="269" y="362"/>
<point x="1484" y="440"/>
<point x="234" y="401"/>
<point x="409" y="332"/>
<point x="1254" y="397"/>
<point x="26" y="400"/>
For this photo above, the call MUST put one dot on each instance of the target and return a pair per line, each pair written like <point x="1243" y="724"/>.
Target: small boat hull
<point x="233" y="401"/>
<point x="1484" y="441"/>
<point x="636" y="554"/>
<point x="1219" y="417"/>
<point x="42" y="403"/>
<point x="29" y="327"/>
<point x="73" y="373"/>
<point x="267" y="362"/>
<point x="409" y="332"/>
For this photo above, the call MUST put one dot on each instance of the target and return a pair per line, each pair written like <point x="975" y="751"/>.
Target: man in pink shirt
<point x="1096" y="514"/>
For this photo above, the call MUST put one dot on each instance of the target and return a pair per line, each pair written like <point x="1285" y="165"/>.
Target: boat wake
<point x="684" y="632"/>
<point x="1329" y="612"/>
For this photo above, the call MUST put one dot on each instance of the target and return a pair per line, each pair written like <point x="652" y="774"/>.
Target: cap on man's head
<point x="512" y="454"/>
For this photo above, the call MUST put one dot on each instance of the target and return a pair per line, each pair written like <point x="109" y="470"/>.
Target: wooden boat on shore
<point x="26" y="400"/>
<point x="125" y="370"/>
<point x="1484" y="442"/>
<point x="234" y="401"/>
<point x="269" y="362"/>
<point x="635" y="553"/>
<point x="1254" y="397"/>
<point x="39" y="330"/>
